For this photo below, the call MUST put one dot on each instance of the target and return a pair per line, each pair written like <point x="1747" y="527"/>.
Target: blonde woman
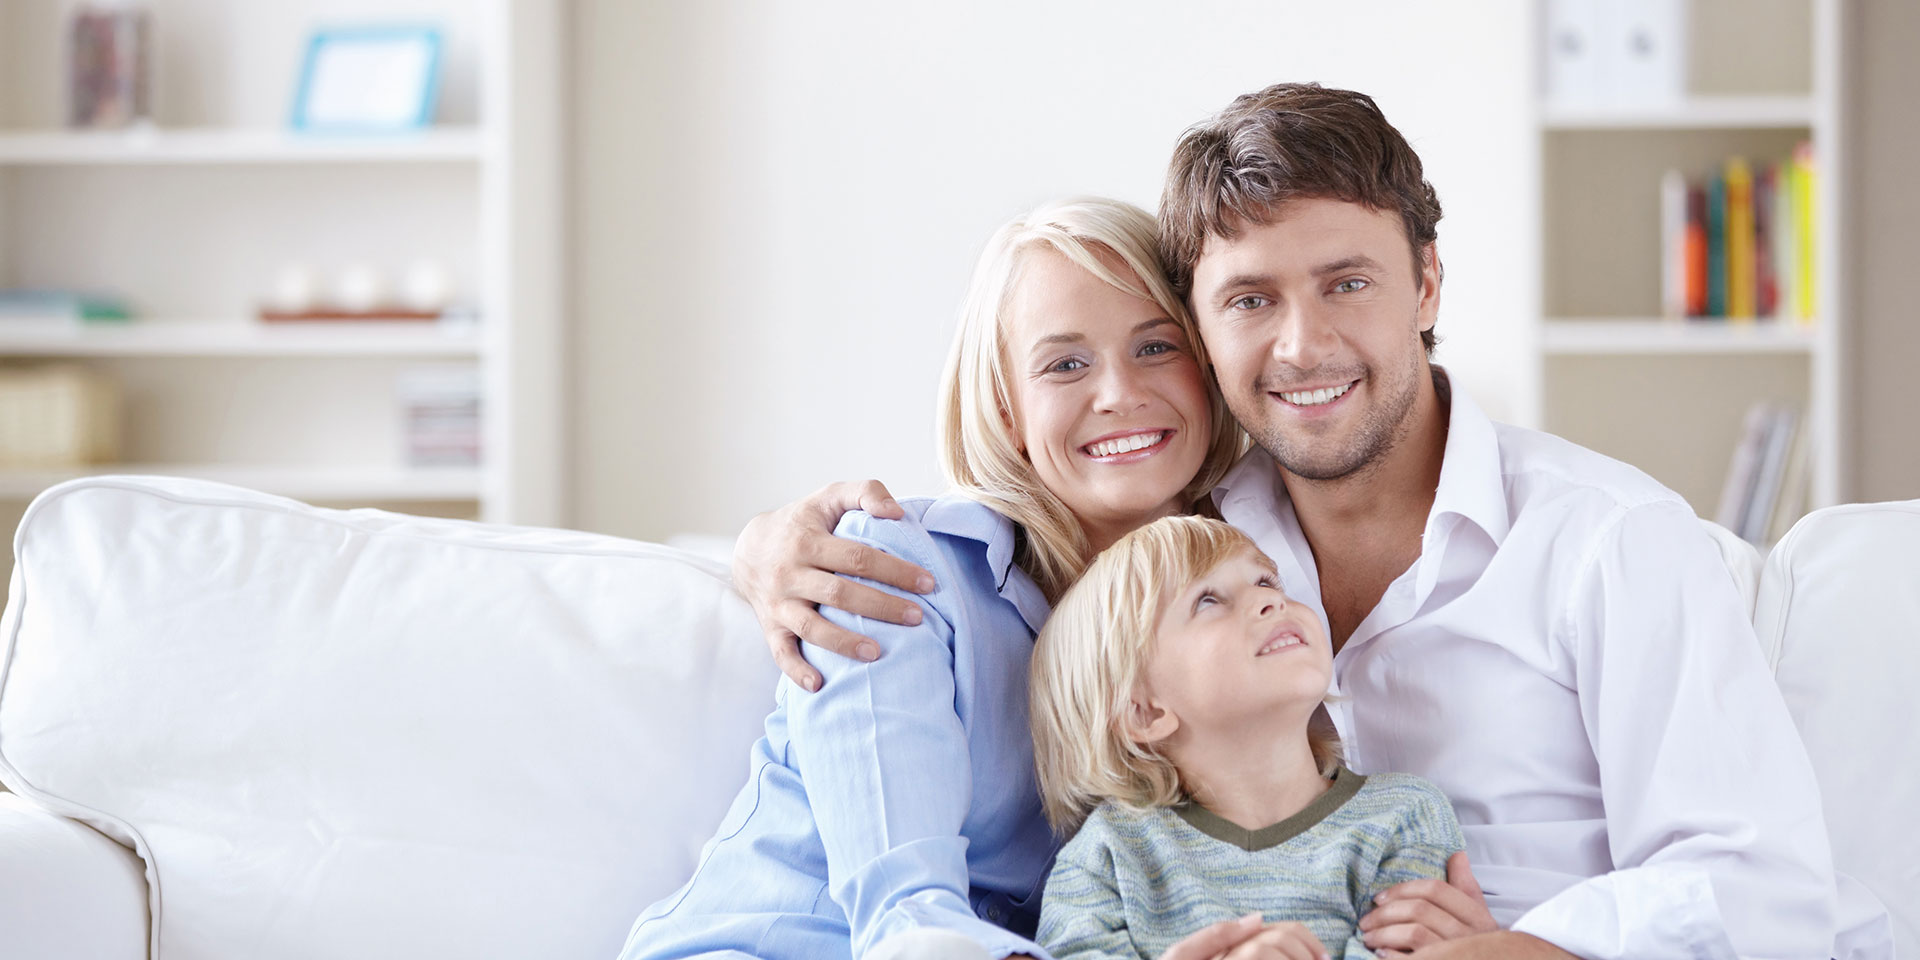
<point x="1175" y="691"/>
<point x="899" y="800"/>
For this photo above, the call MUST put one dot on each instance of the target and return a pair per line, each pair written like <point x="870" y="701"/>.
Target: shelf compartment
<point x="1603" y="337"/>
<point x="1721" y="113"/>
<point x="212" y="145"/>
<point x="213" y="338"/>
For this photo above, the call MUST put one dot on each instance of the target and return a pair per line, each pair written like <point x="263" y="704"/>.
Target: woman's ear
<point x="1148" y="721"/>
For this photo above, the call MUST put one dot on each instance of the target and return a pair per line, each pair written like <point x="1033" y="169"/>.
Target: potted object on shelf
<point x="59" y="415"/>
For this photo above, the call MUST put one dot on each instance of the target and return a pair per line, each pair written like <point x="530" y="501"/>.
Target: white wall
<point x="775" y="207"/>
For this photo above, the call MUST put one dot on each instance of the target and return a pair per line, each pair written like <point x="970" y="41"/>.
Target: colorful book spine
<point x="1716" y="246"/>
<point x="1785" y="266"/>
<point x="1696" y="252"/>
<point x="1766" y="288"/>
<point x="1739" y="240"/>
<point x="1673" y="245"/>
<point x="1804" y="174"/>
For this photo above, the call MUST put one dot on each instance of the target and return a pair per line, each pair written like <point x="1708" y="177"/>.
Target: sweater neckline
<point x="1346" y="783"/>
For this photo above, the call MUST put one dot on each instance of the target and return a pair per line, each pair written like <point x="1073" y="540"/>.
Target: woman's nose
<point x="1119" y="392"/>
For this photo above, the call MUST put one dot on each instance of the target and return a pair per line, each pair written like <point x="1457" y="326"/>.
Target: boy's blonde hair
<point x="1090" y="656"/>
<point x="979" y="450"/>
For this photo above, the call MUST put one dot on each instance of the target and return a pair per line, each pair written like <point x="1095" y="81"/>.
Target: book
<point x="1798" y="476"/>
<point x="1673" y="245"/>
<point x="1803" y="227"/>
<point x="1696" y="252"/>
<point x="1739" y="240"/>
<point x="1766" y="289"/>
<point x="1716" y="246"/>
<point x="60" y="306"/>
<point x="1785" y="269"/>
<point x="1782" y="422"/>
<point x="1742" y="470"/>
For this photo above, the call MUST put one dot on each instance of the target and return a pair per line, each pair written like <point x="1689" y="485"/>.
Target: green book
<point x="1717" y="245"/>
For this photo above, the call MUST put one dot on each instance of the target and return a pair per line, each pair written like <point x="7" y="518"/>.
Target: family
<point x="1393" y="680"/>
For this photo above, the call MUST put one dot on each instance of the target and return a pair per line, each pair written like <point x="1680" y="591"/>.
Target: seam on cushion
<point x="635" y="550"/>
<point x="17" y="605"/>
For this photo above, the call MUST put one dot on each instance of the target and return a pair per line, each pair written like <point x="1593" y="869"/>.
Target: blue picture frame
<point x="318" y="109"/>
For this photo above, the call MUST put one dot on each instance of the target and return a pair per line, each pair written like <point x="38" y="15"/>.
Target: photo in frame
<point x="378" y="79"/>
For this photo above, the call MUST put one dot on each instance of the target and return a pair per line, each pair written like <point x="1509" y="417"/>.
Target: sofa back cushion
<point x="1839" y="618"/>
<point x="353" y="733"/>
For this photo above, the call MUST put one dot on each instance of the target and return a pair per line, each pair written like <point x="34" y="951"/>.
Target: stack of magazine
<point x="1766" y="488"/>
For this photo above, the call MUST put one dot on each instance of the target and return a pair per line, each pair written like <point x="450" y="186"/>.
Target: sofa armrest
<point x="66" y="891"/>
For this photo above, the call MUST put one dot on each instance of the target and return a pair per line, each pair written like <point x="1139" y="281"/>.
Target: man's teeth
<point x="1139" y="441"/>
<point x="1313" y="398"/>
<point x="1278" y="642"/>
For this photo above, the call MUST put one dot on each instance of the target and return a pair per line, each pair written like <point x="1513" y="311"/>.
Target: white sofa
<point x="236" y="726"/>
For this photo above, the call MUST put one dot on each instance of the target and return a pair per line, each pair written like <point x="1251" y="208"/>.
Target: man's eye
<point x="1350" y="286"/>
<point x="1251" y="301"/>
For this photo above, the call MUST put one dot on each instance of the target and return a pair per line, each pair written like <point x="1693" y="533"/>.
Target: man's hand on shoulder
<point x="788" y="562"/>
<point x="1500" y="945"/>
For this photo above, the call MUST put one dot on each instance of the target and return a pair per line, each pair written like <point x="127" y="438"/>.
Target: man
<point x="1547" y="634"/>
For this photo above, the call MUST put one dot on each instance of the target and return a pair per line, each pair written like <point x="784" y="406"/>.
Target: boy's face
<point x="1313" y="322"/>
<point x="1232" y="654"/>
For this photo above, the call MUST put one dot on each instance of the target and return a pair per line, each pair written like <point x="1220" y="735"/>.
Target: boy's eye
<point x="1267" y="581"/>
<point x="1206" y="598"/>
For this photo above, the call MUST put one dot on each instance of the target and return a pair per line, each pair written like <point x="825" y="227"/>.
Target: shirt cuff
<point x="1659" y="910"/>
<point x="999" y="942"/>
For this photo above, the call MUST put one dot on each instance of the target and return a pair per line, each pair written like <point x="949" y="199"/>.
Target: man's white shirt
<point x="1571" y="662"/>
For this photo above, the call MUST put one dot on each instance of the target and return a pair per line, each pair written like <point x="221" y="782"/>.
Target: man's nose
<point x="1305" y="338"/>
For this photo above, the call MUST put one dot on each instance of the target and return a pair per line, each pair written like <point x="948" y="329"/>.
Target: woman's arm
<point x="885" y="760"/>
<point x="787" y="562"/>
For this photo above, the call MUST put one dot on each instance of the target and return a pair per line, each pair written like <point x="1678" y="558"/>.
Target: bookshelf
<point x="1671" y="395"/>
<point x="189" y="219"/>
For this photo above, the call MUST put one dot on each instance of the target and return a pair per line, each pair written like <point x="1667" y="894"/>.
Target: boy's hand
<point x="1280" y="941"/>
<point x="1210" y="943"/>
<point x="1419" y="913"/>
<point x="788" y="561"/>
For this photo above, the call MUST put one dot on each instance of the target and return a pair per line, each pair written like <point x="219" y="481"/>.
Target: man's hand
<point x="1210" y="943"/>
<point x="1421" y="913"/>
<point x="787" y="561"/>
<point x="1279" y="941"/>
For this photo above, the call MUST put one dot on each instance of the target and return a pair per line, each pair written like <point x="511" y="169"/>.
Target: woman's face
<point x="1109" y="404"/>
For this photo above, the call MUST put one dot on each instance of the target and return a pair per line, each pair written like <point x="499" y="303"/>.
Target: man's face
<point x="1314" y="322"/>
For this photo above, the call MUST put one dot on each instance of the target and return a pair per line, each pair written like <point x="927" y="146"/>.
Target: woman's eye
<point x="1156" y="348"/>
<point x="1251" y="301"/>
<point x="1350" y="286"/>
<point x="1066" y="366"/>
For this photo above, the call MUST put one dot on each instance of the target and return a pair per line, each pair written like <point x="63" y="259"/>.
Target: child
<point x="1174" y="693"/>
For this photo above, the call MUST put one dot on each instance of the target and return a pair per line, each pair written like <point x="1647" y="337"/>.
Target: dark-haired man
<point x="1547" y="634"/>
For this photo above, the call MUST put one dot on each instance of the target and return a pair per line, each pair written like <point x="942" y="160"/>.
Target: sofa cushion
<point x="354" y="733"/>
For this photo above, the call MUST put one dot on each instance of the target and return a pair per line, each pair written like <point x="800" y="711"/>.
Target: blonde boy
<point x="1175" y="692"/>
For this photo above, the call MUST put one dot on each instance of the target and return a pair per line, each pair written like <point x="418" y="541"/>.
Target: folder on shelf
<point x="1716" y="246"/>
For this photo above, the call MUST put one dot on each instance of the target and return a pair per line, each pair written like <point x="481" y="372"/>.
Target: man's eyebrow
<point x="1242" y="280"/>
<point x="1357" y="261"/>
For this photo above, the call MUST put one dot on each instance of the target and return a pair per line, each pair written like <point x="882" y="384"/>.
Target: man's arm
<point x="1713" y="815"/>
<point x="787" y="563"/>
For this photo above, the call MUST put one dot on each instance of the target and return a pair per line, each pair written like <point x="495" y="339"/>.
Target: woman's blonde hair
<point x="1090" y="657"/>
<point x="978" y="448"/>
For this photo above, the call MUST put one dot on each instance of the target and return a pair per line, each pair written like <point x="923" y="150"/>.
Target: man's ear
<point x="1148" y="721"/>
<point x="1431" y="275"/>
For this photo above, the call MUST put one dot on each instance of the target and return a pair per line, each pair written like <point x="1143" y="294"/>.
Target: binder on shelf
<point x="1572" y="52"/>
<point x="1643" y="52"/>
<point x="1716" y="246"/>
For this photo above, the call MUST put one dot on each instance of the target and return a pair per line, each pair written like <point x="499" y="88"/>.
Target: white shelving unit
<point x="188" y="219"/>
<point x="1669" y="395"/>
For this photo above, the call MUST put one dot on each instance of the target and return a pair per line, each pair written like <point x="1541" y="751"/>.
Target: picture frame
<point x="368" y="80"/>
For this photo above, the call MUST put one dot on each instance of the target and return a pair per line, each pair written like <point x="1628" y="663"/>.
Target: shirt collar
<point x="957" y="516"/>
<point x="1472" y="481"/>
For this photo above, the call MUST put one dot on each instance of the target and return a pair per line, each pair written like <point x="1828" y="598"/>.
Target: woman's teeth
<point x="1314" y="398"/>
<point x="1139" y="441"/>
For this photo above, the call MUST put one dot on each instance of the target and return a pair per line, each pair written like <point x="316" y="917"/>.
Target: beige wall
<point x="1884" y="139"/>
<point x="775" y="206"/>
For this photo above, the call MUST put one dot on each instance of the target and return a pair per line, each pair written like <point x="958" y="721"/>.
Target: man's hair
<point x="1290" y="141"/>
<point x="1091" y="655"/>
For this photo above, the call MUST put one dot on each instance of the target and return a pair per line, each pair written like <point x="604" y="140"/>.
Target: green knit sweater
<point x="1132" y="883"/>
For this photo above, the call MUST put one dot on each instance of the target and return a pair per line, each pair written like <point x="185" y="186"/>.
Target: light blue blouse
<point x="900" y="796"/>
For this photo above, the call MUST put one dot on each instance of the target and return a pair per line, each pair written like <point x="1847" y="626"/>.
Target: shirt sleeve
<point x="1426" y="835"/>
<point x="885" y="760"/>
<point x="1713" y="814"/>
<point x="1082" y="916"/>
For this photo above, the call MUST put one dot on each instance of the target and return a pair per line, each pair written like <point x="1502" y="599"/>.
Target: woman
<point x="900" y="798"/>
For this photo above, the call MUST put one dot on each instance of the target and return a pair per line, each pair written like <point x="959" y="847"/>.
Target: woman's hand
<point x="1248" y="939"/>
<point x="788" y="561"/>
